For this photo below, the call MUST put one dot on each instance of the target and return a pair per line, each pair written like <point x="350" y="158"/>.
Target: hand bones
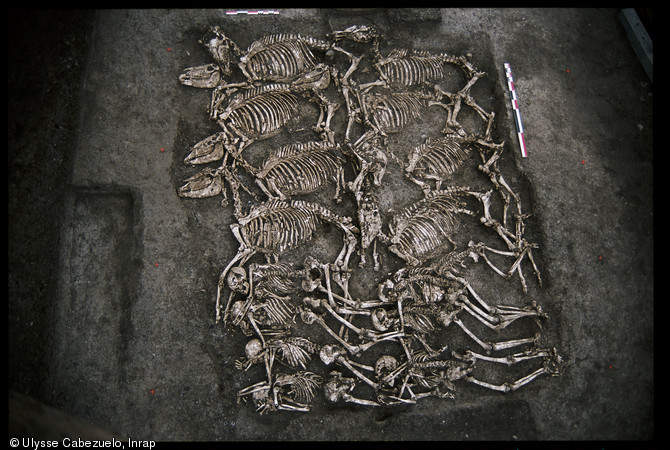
<point x="415" y="302"/>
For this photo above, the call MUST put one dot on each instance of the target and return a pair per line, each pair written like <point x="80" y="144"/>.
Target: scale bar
<point x="252" y="12"/>
<point x="517" y="113"/>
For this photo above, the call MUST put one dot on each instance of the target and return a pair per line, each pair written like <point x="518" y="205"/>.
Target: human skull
<point x="237" y="280"/>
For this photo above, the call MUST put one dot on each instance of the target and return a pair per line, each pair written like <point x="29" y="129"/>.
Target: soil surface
<point x="112" y="275"/>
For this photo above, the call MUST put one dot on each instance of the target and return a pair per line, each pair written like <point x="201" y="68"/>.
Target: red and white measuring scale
<point x="515" y="107"/>
<point x="252" y="12"/>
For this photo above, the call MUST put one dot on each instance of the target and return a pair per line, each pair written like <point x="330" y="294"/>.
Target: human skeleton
<point x="293" y="312"/>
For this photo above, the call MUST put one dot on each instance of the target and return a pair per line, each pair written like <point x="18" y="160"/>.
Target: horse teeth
<point x="368" y="98"/>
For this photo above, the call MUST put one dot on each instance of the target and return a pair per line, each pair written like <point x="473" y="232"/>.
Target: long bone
<point x="335" y="309"/>
<point x="370" y="224"/>
<point x="269" y="282"/>
<point x="425" y="227"/>
<point x="489" y="167"/>
<point x="416" y="367"/>
<point x="298" y="168"/>
<point x="303" y="386"/>
<point x="333" y="354"/>
<point x="517" y="253"/>
<point x="448" y="315"/>
<point x="293" y="351"/>
<point x="423" y="300"/>
<point x="261" y="395"/>
<point x="461" y="367"/>
<point x="355" y="306"/>
<point x="454" y="106"/>
<point x="520" y="247"/>
<point x="372" y="160"/>
<point x="312" y="86"/>
<point x="348" y="89"/>
<point x="338" y="388"/>
<point x="499" y="316"/>
<point x="549" y="367"/>
<point x="387" y="370"/>
<point x="481" y="248"/>
<point x="273" y="395"/>
<point x="496" y="318"/>
<point x="327" y="110"/>
<point x="276" y="226"/>
<point x="309" y="317"/>
<point x="517" y="245"/>
<point x="280" y="57"/>
<point x="344" y="223"/>
<point x="496" y="346"/>
<point x="531" y="353"/>
<point x="343" y="304"/>
<point x="362" y="34"/>
<point x="363" y="333"/>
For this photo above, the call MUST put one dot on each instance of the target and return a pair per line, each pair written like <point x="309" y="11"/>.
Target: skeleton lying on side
<point x="285" y="392"/>
<point x="275" y="226"/>
<point x="282" y="308"/>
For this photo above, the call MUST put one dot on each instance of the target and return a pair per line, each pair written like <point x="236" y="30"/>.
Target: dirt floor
<point x="112" y="275"/>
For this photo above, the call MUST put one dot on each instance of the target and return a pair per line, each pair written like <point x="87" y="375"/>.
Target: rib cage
<point x="277" y="312"/>
<point x="295" y="350"/>
<point x="303" y="385"/>
<point x="278" y="227"/>
<point x="301" y="168"/>
<point x="437" y="157"/>
<point x="402" y="69"/>
<point x="276" y="281"/>
<point x="421" y="229"/>
<point x="391" y="112"/>
<point x="261" y="112"/>
<point x="429" y="283"/>
<point x="282" y="37"/>
<point x="279" y="57"/>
